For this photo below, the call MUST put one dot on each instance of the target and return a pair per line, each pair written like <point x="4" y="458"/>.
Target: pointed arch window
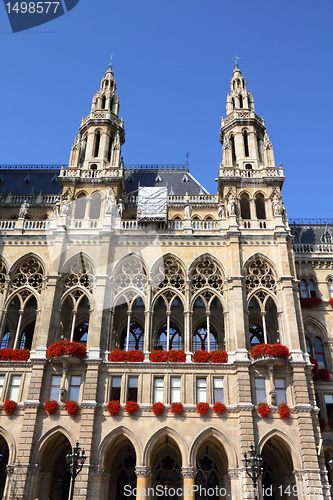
<point x="233" y="150"/>
<point x="203" y="342"/>
<point x="97" y="143"/>
<point x="260" y="206"/>
<point x="245" y="206"/>
<point x="103" y="100"/>
<point x="95" y="206"/>
<point x="136" y="337"/>
<point x="312" y="288"/>
<point x="246" y="142"/>
<point x="175" y="337"/>
<point x="241" y="103"/>
<point x="319" y="353"/>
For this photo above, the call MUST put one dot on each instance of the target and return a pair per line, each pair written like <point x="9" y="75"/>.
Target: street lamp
<point x="253" y="466"/>
<point x="75" y="463"/>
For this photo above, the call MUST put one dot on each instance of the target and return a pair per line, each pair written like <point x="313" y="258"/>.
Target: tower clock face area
<point x="174" y="343"/>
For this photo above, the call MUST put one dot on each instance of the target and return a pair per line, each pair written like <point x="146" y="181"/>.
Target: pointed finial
<point x="236" y="62"/>
<point x="110" y="65"/>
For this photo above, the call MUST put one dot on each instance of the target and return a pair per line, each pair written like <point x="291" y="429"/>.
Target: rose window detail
<point x="206" y="273"/>
<point x="131" y="274"/>
<point x="168" y="273"/>
<point x="260" y="275"/>
<point x="80" y="273"/>
<point x="29" y="273"/>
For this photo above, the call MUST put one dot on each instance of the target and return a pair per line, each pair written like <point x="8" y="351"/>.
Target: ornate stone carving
<point x="80" y="273"/>
<point x="10" y="469"/>
<point x="234" y="473"/>
<point x="260" y="275"/>
<point x="131" y="274"/>
<point x="28" y="273"/>
<point x="206" y="273"/>
<point x="142" y="471"/>
<point x="189" y="471"/>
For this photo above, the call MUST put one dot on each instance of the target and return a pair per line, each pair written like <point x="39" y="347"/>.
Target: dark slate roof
<point x="178" y="180"/>
<point x="312" y="231"/>
<point x="27" y="181"/>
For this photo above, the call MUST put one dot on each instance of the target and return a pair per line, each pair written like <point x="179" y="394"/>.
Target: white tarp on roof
<point x="152" y="203"/>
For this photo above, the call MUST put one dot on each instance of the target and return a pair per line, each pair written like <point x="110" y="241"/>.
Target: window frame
<point x="70" y="386"/>
<point x="197" y="388"/>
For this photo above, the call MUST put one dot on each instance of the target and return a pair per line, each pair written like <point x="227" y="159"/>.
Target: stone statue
<point x="278" y="208"/>
<point x="187" y="211"/>
<point x="221" y="211"/>
<point x="110" y="203"/>
<point x="23" y="210"/>
<point x="231" y="206"/>
<point x="64" y="209"/>
<point x="56" y="209"/>
<point x="120" y="208"/>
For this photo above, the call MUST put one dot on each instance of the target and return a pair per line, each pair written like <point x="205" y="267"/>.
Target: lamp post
<point x="253" y="466"/>
<point x="75" y="463"/>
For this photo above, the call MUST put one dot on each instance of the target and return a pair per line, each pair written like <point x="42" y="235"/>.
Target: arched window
<point x="175" y="342"/>
<point x="201" y="341"/>
<point x="256" y="334"/>
<point x="312" y="288"/>
<point x="308" y="347"/>
<point x="5" y="338"/>
<point x="81" y="332"/>
<point x="304" y="290"/>
<point x="80" y="206"/>
<point x="97" y="143"/>
<point x="246" y="143"/>
<point x="233" y="150"/>
<point x="103" y="102"/>
<point x="241" y="102"/>
<point x="110" y="147"/>
<point x="95" y="206"/>
<point x="233" y="103"/>
<point x="259" y="144"/>
<point x="245" y="206"/>
<point x="136" y="337"/>
<point x="330" y="288"/>
<point x="319" y="353"/>
<point x="260" y="206"/>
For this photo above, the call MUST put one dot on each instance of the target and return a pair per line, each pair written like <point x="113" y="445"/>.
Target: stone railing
<point x="255" y="173"/>
<point x="7" y="224"/>
<point x="90" y="174"/>
<point x="312" y="248"/>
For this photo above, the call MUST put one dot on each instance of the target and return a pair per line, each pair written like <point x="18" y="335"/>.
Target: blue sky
<point x="173" y="62"/>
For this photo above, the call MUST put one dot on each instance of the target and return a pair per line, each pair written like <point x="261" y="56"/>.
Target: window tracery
<point x="29" y="273"/>
<point x="3" y="274"/>
<point x="80" y="273"/>
<point x="206" y="273"/>
<point x="168" y="273"/>
<point x="131" y="273"/>
<point x="260" y="275"/>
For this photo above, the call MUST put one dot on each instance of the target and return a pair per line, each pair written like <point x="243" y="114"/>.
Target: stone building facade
<point x="221" y="271"/>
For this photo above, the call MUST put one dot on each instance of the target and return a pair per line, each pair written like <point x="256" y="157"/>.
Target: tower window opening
<point x="111" y="105"/>
<point x="103" y="101"/>
<point x="246" y="142"/>
<point x="233" y="150"/>
<point x="97" y="143"/>
<point x="260" y="206"/>
<point x="241" y="104"/>
<point x="245" y="207"/>
<point x="233" y="103"/>
<point x="110" y="148"/>
<point x="259" y="143"/>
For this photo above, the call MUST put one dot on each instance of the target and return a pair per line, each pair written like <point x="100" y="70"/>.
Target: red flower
<point x="158" y="408"/>
<point x="324" y="374"/>
<point x="176" y="356"/>
<point x="201" y="356"/>
<point x="322" y="424"/>
<point x="219" y="357"/>
<point x="177" y="408"/>
<point x="50" y="406"/>
<point x="113" y="408"/>
<point x="134" y="355"/>
<point x="9" y="406"/>
<point x="117" y="355"/>
<point x="158" y="356"/>
<point x="72" y="408"/>
<point x="67" y="348"/>
<point x="330" y="301"/>
<point x="314" y="370"/>
<point x="202" y="408"/>
<point x="219" y="408"/>
<point x="310" y="302"/>
<point x="263" y="410"/>
<point x="14" y="354"/>
<point x="269" y="350"/>
<point x="131" y="407"/>
<point x="284" y="411"/>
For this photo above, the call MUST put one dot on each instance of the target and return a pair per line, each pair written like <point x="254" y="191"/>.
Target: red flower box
<point x="201" y="356"/>
<point x="219" y="408"/>
<point x="330" y="301"/>
<point x="322" y="424"/>
<point x="14" y="354"/>
<point x="67" y="348"/>
<point x="134" y="355"/>
<point x="315" y="369"/>
<point x="9" y="406"/>
<point x="176" y="356"/>
<point x="117" y="355"/>
<point x="263" y="410"/>
<point x="158" y="408"/>
<point x="219" y="357"/>
<point x="72" y="408"/>
<point x="113" y="408"/>
<point x="202" y="408"/>
<point x="131" y="407"/>
<point x="269" y="350"/>
<point x="158" y="356"/>
<point x="310" y="302"/>
<point x="324" y="374"/>
<point x="284" y="411"/>
<point x="51" y="406"/>
<point x="177" y="408"/>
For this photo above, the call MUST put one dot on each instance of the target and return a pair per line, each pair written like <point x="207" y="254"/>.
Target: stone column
<point x="43" y="322"/>
<point x="189" y="474"/>
<point x="143" y="474"/>
<point x="235" y="483"/>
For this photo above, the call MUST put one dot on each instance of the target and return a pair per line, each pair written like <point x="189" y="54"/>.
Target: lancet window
<point x="168" y="321"/>
<point x="25" y="286"/>
<point x="129" y="321"/>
